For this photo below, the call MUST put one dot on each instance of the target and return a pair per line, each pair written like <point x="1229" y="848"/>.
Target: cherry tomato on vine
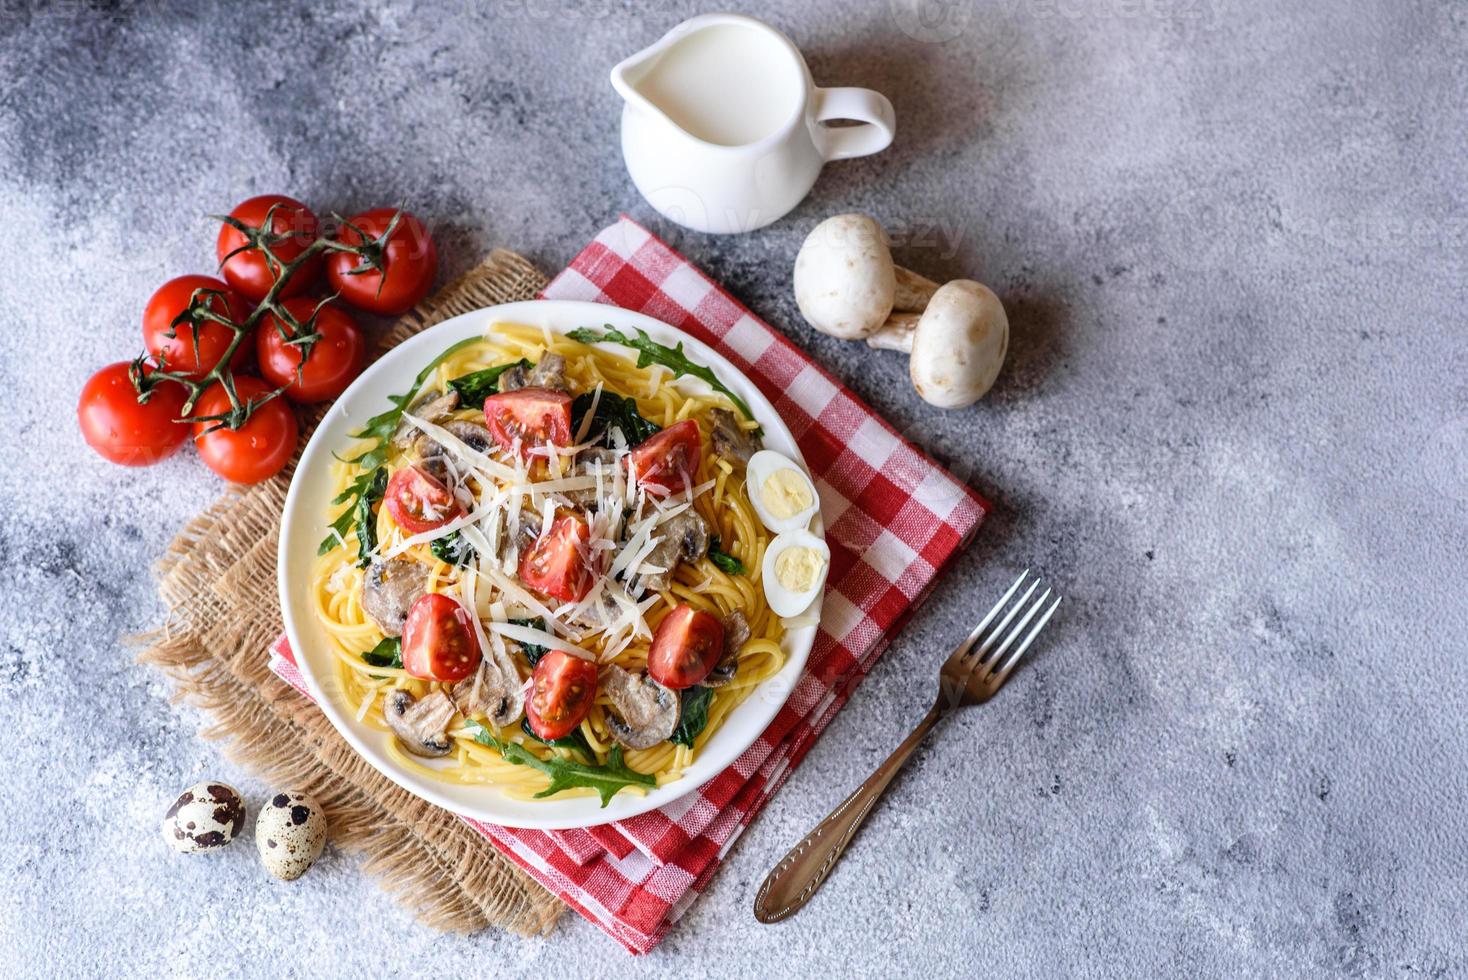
<point x="257" y="450"/>
<point x="124" y="430"/>
<point x="409" y="262"/>
<point x="180" y="353"/>
<point x="249" y="272"/>
<point x="439" y="643"/>
<point x="417" y="502"/>
<point x="686" y="647"/>
<point x="335" y="360"/>
<point x="563" y="688"/>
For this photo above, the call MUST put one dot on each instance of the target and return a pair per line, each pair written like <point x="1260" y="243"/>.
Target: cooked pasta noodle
<point x="337" y="580"/>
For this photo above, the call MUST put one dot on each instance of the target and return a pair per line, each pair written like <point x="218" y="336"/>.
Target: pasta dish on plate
<point x="559" y="561"/>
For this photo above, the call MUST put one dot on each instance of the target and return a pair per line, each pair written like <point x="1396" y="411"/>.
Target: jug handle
<point x="859" y="104"/>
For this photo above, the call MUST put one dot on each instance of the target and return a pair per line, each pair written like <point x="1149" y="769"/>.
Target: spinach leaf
<point x="452" y="549"/>
<point x="649" y="351"/>
<point x="388" y="653"/>
<point x="612" y="412"/>
<point x="693" y="716"/>
<point x="533" y="651"/>
<point x="363" y="517"/>
<point x="607" y="780"/>
<point x="722" y="559"/>
<point x="575" y="740"/>
<point x="475" y="387"/>
<point x="378" y="429"/>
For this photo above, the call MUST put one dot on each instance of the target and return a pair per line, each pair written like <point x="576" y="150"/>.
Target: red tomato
<point x="417" y="502"/>
<point x="125" y="431"/>
<point x="249" y="272"/>
<point x="668" y="461"/>
<point x="563" y="688"/>
<point x="178" y="352"/>
<point x="257" y="450"/>
<point x="439" y="641"/>
<point x="687" y="645"/>
<point x="556" y="562"/>
<point x="409" y="262"/>
<point x="531" y="416"/>
<point x="336" y="359"/>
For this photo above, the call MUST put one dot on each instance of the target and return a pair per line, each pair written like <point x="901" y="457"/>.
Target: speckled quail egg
<point x="205" y="817"/>
<point x="794" y="571"/>
<point x="290" y="833"/>
<point x="780" y="491"/>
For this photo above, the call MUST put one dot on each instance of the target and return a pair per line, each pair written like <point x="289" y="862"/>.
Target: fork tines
<point x="991" y="655"/>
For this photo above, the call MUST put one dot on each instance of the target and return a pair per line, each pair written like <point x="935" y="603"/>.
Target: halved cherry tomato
<point x="179" y="352"/>
<point x="531" y="416"/>
<point x="668" y="461"/>
<point x="417" y="502"/>
<point x="563" y="688"/>
<point x="556" y="562"/>
<point x="249" y="272"/>
<point x="336" y="359"/>
<point x="121" y="429"/>
<point x="686" y="647"/>
<point x="257" y="450"/>
<point x="409" y="262"/>
<point x="439" y="641"/>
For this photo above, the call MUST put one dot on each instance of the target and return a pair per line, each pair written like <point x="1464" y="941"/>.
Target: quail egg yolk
<point x="798" y="567"/>
<point x="785" y="493"/>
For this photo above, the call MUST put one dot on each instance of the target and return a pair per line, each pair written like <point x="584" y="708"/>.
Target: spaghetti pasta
<point x="496" y="502"/>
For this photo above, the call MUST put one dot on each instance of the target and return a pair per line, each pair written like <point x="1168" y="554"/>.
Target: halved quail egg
<point x="782" y="494"/>
<point x="794" y="571"/>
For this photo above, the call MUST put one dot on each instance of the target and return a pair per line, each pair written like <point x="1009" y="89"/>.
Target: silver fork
<point x="973" y="673"/>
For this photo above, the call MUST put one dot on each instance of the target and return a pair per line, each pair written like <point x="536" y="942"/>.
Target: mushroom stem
<point x="913" y="291"/>
<point x="896" y="333"/>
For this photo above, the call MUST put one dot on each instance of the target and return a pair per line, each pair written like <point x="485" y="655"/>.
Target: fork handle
<point x="801" y="872"/>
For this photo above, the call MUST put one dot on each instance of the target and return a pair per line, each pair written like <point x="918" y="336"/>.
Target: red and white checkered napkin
<point x="893" y="517"/>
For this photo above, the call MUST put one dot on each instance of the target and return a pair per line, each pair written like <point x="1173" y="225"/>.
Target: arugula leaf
<point x="612" y="411"/>
<point x="452" y="549"/>
<point x="476" y="386"/>
<point x="649" y="351"/>
<point x="533" y="651"/>
<point x="693" y="716"/>
<point x="575" y="740"/>
<point x="388" y="653"/>
<point x="379" y="429"/>
<point x="722" y="559"/>
<point x="607" y="780"/>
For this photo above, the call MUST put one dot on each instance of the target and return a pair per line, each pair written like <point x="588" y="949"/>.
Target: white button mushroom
<point x="845" y="282"/>
<point x="847" y="286"/>
<point x="957" y="344"/>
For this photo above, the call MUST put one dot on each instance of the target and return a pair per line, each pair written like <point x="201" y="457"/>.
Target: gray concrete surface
<point x="1231" y="237"/>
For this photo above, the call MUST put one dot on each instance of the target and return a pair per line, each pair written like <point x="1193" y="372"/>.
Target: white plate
<point x="303" y="525"/>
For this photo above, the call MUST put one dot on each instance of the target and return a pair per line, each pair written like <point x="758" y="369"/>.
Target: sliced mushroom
<point x="685" y="539"/>
<point x="432" y="458"/>
<point x="645" y="712"/>
<point x="550" y="373"/>
<point x="736" y="634"/>
<point x="471" y="434"/>
<point x="515" y="378"/>
<point x="420" y="723"/>
<point x="495" y="690"/>
<point x="730" y="438"/>
<point x="432" y="406"/>
<point x="389" y="590"/>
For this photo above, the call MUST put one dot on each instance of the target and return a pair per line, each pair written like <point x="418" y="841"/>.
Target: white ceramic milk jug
<point x="723" y="126"/>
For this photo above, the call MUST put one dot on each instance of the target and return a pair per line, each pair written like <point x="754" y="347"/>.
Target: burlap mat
<point x="218" y="582"/>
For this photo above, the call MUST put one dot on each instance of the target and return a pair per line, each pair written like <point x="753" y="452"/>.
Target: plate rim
<point x="488" y="804"/>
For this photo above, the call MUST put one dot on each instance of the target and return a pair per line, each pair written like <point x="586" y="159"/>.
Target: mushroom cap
<point x="644" y="712"/>
<point x="844" y="279"/>
<point x="959" y="345"/>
